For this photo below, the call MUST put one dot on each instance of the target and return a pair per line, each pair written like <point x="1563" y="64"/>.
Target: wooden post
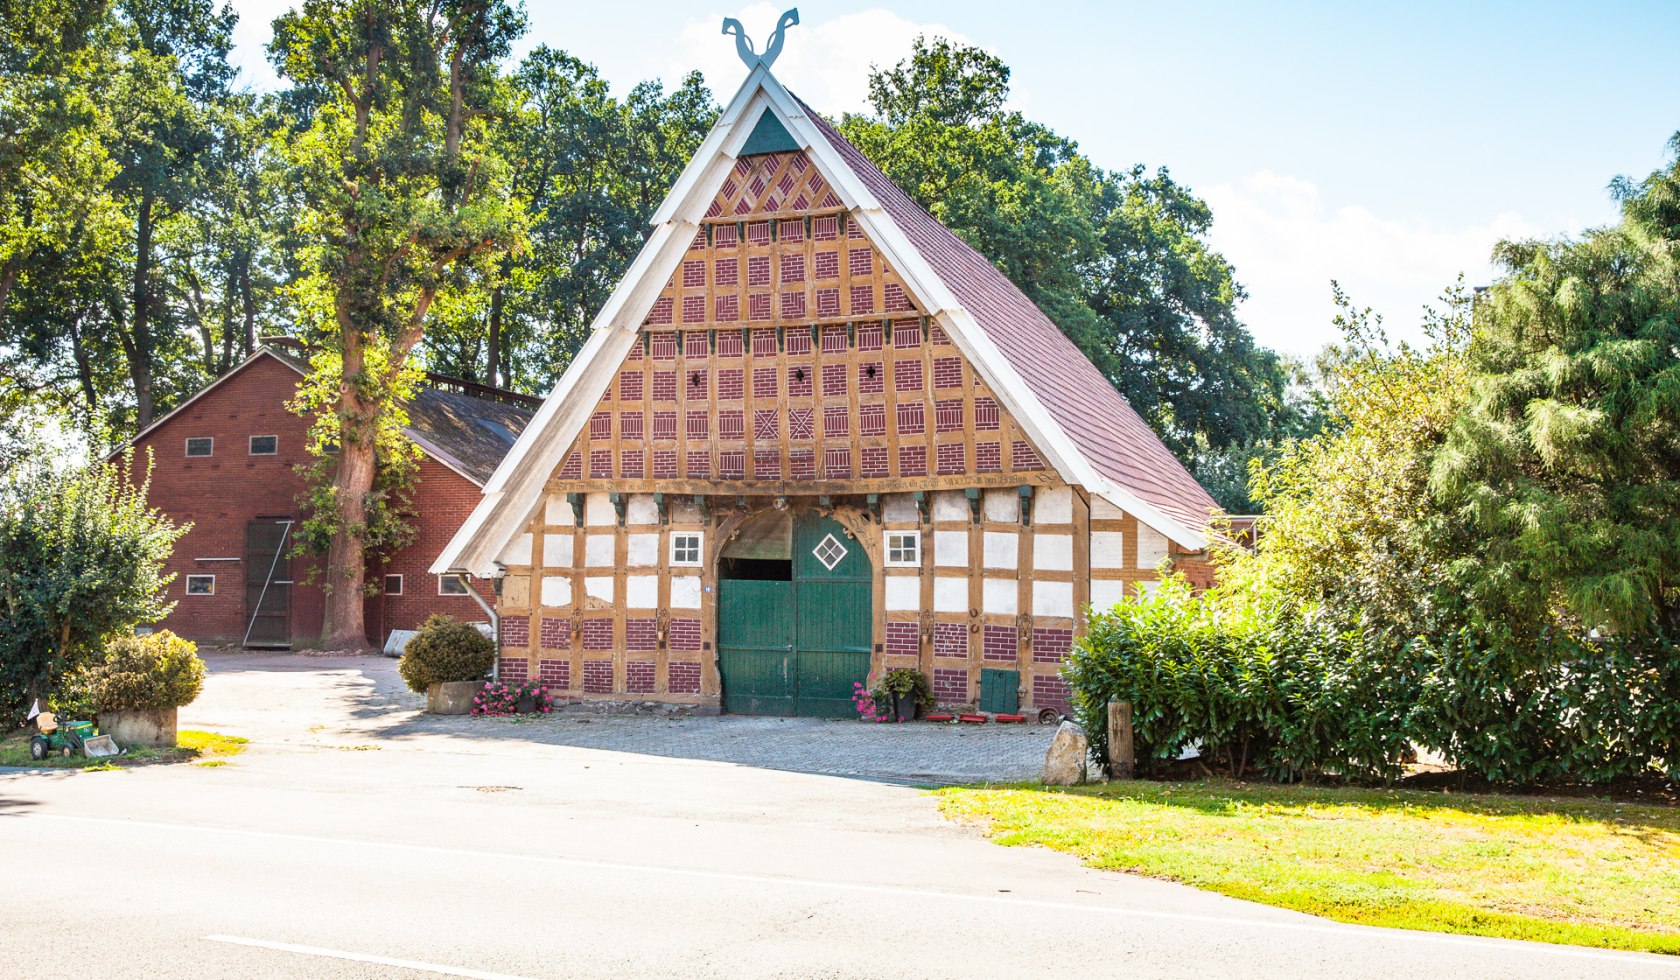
<point x="1122" y="762"/>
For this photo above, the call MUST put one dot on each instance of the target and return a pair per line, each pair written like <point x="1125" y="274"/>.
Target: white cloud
<point x="250" y="41"/>
<point x="825" y="63"/>
<point x="1287" y="243"/>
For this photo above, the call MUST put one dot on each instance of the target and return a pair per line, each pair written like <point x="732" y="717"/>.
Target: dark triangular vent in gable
<point x="768" y="136"/>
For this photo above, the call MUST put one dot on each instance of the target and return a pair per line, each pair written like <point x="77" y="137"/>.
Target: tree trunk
<point x="248" y="303"/>
<point x="8" y="276"/>
<point x="139" y="344"/>
<point x="494" y="356"/>
<point x="345" y="627"/>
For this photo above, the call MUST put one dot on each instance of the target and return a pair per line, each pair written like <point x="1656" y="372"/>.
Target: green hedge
<point x="1267" y="688"/>
<point x="1261" y="688"/>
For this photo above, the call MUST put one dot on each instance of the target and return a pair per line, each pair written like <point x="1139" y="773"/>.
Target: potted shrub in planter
<point x="447" y="661"/>
<point x="902" y="690"/>
<point x="140" y="685"/>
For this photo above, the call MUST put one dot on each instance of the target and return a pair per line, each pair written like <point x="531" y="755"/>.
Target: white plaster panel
<point x="903" y="592"/>
<point x="1052" y="599"/>
<point x="1002" y="549"/>
<point x="556" y="591"/>
<point x="685" y="592"/>
<point x="641" y="509"/>
<point x="950" y="594"/>
<point x="598" y="510"/>
<point x="599" y="587"/>
<point x="686" y="511"/>
<point x="1001" y="505"/>
<point x="1106" y="594"/>
<point x="1108" y="549"/>
<point x="1053" y="505"/>
<point x="898" y="507"/>
<point x="950" y="548"/>
<point x="557" y="551"/>
<point x="599" y="551"/>
<point x="998" y="596"/>
<point x="1151" y="546"/>
<point x="643" y="550"/>
<point x="1150" y="588"/>
<point x="1102" y="510"/>
<point x="950" y="505"/>
<point x="558" y="510"/>
<point x="518" y="551"/>
<point x="1053" y="552"/>
<point x="641" y="591"/>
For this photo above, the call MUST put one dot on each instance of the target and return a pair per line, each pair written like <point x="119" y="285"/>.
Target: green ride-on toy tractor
<point x="67" y="739"/>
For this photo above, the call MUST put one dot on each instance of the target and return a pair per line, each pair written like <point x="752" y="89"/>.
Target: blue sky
<point x="1387" y="146"/>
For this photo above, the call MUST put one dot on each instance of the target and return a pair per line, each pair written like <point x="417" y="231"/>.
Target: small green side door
<point x="755" y="647"/>
<point x="832" y="582"/>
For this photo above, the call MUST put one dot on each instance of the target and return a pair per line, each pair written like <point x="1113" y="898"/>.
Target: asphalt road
<point x="432" y="855"/>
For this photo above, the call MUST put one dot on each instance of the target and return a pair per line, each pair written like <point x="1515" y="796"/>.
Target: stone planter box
<point x="452" y="697"/>
<point x="146" y="728"/>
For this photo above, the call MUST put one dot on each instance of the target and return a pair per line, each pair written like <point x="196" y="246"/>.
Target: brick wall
<point x="220" y="494"/>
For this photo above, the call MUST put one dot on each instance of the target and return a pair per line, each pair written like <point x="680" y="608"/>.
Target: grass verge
<point x="1577" y="871"/>
<point x="207" y="748"/>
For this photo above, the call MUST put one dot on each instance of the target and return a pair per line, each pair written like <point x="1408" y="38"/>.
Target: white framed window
<point x="201" y="446"/>
<point x="201" y="585"/>
<point x="265" y="445"/>
<point x="452" y="585"/>
<point x="904" y="549"/>
<point x="393" y="585"/>
<point x="685" y="548"/>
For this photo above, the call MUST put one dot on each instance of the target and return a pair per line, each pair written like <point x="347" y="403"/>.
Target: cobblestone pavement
<point x="303" y="700"/>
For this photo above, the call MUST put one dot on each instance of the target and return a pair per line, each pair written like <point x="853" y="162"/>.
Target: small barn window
<point x="201" y="446"/>
<point x="265" y="445"/>
<point x="452" y="585"/>
<point x="904" y="549"/>
<point x="393" y="584"/>
<point x="201" y="585"/>
<point x="685" y="548"/>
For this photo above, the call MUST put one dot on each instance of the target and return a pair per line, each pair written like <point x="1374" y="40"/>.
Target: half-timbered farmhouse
<point x="813" y="436"/>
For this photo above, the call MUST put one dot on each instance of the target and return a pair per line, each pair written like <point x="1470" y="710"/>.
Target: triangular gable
<point x="516" y="489"/>
<point x="769" y="136"/>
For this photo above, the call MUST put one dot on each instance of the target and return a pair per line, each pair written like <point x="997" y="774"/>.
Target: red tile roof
<point x="1112" y="436"/>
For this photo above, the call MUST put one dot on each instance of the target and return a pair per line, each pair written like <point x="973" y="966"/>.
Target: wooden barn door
<point x="832" y="583"/>
<point x="794" y="619"/>
<point x="268" y="582"/>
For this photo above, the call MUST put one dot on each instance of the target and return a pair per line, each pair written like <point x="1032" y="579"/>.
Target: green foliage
<point x="1562" y="708"/>
<point x="1560" y="480"/>
<point x="445" y="650"/>
<point x="159" y="670"/>
<point x="1119" y="260"/>
<point x="81" y="560"/>
<point x="901" y="682"/>
<point x="1260" y="685"/>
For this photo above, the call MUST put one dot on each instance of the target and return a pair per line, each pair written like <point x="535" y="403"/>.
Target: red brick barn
<point x="227" y="461"/>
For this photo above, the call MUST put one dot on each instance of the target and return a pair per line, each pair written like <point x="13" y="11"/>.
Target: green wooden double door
<point x="793" y="639"/>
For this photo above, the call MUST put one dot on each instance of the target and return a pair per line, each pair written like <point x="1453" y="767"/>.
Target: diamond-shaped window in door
<point x="830" y="552"/>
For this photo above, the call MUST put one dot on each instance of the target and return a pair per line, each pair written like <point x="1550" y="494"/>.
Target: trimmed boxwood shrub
<point x="445" y="650"/>
<point x="140" y="673"/>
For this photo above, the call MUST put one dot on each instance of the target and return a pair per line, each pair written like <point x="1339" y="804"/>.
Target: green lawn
<point x="1585" y="872"/>
<point x="207" y="748"/>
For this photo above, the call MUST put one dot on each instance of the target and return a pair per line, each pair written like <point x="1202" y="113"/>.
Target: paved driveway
<point x="292" y="698"/>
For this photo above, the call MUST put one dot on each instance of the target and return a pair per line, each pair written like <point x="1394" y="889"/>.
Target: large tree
<point x="401" y="191"/>
<point x="1561" y="477"/>
<point x="589" y="169"/>
<point x="1119" y="259"/>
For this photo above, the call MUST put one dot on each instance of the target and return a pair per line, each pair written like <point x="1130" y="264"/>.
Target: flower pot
<point x="527" y="704"/>
<point x="148" y="727"/>
<point x="451" y="697"/>
<point x="904" y="707"/>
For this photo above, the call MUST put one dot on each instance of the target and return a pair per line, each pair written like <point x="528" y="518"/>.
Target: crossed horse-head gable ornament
<point x="744" y="46"/>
